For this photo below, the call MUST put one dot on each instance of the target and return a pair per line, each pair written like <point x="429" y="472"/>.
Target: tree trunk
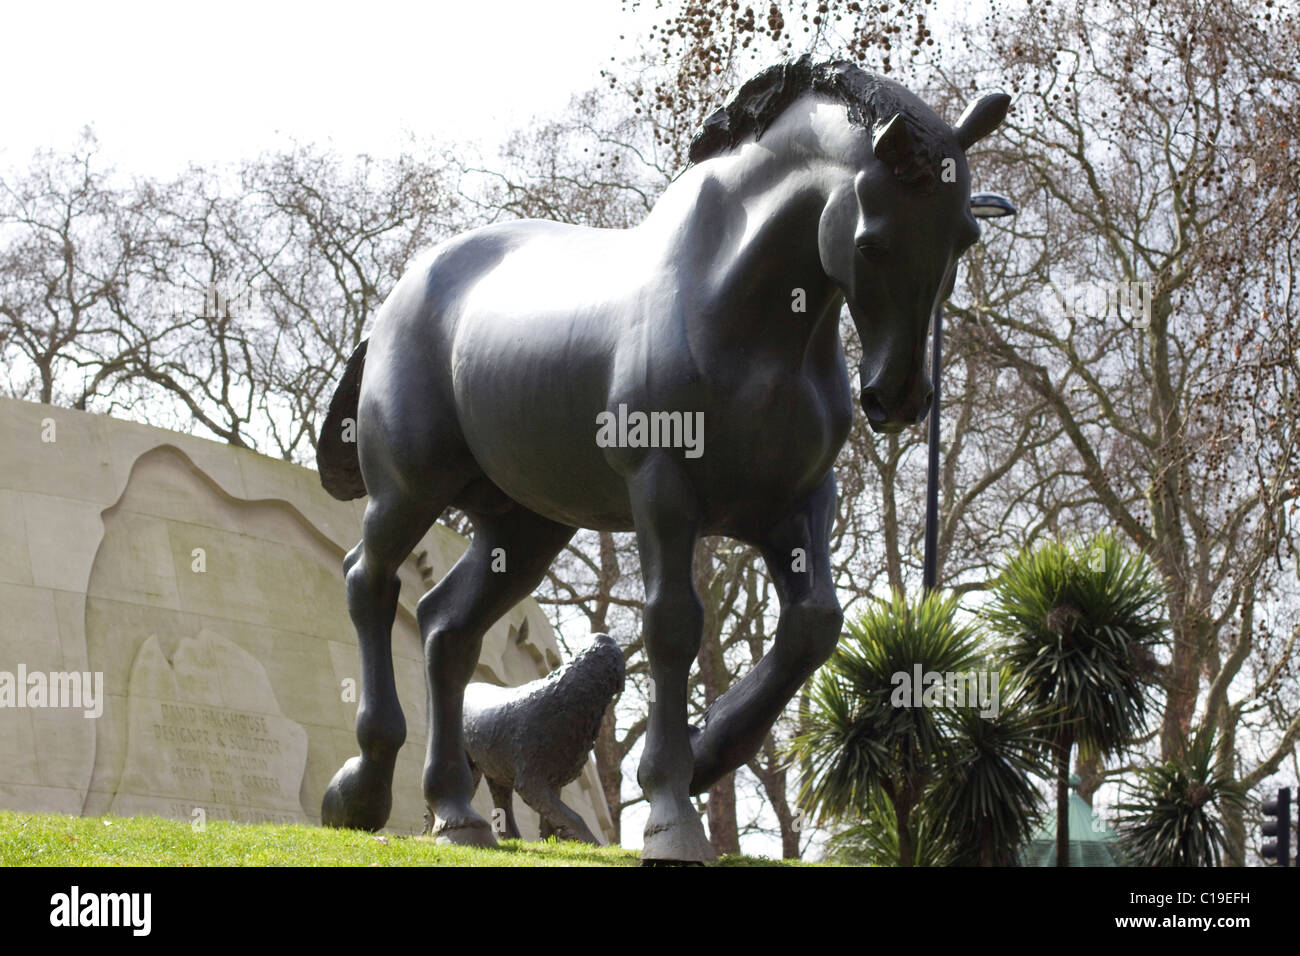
<point x="987" y="855"/>
<point x="609" y="755"/>
<point x="47" y="382"/>
<point x="609" y="768"/>
<point x="1234" y="832"/>
<point x="724" y="833"/>
<point x="1091" y="775"/>
<point x="1063" y="747"/>
<point x="1182" y="683"/>
<point x="771" y="772"/>
<point x="1234" y="823"/>
<point x="903" y="820"/>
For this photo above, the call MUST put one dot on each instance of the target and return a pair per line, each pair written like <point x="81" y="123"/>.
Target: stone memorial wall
<point x="174" y="639"/>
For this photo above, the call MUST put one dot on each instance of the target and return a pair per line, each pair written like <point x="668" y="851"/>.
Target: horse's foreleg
<point x="506" y="559"/>
<point x="797" y="554"/>
<point x="667" y="524"/>
<point x="360" y="795"/>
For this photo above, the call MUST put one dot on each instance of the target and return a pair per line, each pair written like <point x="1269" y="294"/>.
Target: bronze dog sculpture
<point x="535" y="739"/>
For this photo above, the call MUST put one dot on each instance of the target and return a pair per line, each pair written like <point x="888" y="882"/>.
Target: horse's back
<point x="535" y="344"/>
<point x="495" y="351"/>
<point x="505" y="272"/>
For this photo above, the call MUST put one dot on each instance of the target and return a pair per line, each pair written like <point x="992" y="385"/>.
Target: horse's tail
<point x="336" y="450"/>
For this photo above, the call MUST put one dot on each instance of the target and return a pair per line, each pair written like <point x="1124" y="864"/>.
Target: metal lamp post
<point x="982" y="206"/>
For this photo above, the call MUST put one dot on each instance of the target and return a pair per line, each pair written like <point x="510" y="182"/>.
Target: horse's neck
<point x="745" y="225"/>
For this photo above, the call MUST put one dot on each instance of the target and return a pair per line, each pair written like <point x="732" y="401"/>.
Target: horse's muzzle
<point x="889" y="421"/>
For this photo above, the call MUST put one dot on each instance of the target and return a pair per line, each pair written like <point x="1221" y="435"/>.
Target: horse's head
<point x="890" y="238"/>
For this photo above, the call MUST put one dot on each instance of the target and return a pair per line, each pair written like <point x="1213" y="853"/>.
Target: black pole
<point x="930" y="573"/>
<point x="983" y="206"/>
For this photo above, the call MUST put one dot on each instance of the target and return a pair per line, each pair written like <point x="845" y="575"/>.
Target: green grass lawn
<point x="51" y="839"/>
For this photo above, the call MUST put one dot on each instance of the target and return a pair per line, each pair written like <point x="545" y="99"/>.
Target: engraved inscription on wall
<point x="204" y="731"/>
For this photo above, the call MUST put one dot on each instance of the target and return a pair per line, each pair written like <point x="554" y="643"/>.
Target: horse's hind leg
<point x="360" y="795"/>
<point x="507" y="558"/>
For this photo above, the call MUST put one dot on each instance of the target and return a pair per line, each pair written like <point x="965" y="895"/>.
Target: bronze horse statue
<point x="680" y="378"/>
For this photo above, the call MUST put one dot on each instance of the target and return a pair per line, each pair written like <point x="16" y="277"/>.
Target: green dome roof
<point x="1091" y="841"/>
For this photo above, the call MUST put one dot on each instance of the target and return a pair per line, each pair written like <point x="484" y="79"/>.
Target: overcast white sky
<point x="164" y="83"/>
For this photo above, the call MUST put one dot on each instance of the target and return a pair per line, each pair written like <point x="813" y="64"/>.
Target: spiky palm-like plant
<point x="982" y="806"/>
<point x="863" y="749"/>
<point x="985" y="798"/>
<point x="1080" y="624"/>
<point x="1174" y="813"/>
<point x="873" y="840"/>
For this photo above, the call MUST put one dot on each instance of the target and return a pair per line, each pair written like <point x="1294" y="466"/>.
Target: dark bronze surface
<point x="508" y="369"/>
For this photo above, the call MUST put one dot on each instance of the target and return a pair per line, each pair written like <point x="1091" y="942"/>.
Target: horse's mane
<point x="868" y="98"/>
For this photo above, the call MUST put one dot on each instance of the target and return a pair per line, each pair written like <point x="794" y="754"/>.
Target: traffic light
<point x="1279" y="827"/>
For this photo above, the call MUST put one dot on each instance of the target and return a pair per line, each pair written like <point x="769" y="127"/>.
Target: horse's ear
<point x="891" y="142"/>
<point x="981" y="117"/>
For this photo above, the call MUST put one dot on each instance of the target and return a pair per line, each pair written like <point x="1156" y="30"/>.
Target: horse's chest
<point x="783" y="432"/>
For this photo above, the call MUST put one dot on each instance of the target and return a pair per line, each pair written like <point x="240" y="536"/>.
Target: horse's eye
<point x="873" y="249"/>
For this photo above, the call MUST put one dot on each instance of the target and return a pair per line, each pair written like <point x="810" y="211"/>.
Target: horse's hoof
<point x="466" y="828"/>
<point x="681" y="841"/>
<point x="358" y="798"/>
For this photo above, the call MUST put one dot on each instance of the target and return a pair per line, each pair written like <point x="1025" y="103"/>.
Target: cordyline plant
<point x="986" y="798"/>
<point x="1080" y="624"/>
<point x="873" y="839"/>
<point x="924" y="785"/>
<point x="1174" y="814"/>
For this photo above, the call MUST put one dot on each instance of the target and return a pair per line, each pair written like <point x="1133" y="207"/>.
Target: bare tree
<point x="1144" y="151"/>
<point x="75" y="246"/>
<point x="224" y="300"/>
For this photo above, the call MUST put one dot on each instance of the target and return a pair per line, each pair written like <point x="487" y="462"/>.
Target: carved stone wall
<point x="202" y="584"/>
